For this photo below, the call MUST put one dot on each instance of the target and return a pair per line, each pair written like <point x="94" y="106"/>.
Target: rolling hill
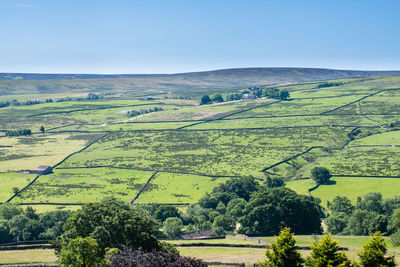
<point x="25" y="83"/>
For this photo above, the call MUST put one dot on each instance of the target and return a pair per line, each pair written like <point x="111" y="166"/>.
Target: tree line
<point x="15" y="102"/>
<point x="269" y="92"/>
<point x="133" y="113"/>
<point x="17" y="224"/>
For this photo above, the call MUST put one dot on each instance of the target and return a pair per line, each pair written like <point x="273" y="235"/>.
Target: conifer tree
<point x="325" y="254"/>
<point x="283" y="252"/>
<point x="374" y="251"/>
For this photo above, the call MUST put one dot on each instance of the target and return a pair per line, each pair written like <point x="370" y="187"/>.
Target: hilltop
<point x="23" y="83"/>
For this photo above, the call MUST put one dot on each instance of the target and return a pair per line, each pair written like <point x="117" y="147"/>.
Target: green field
<point x="351" y="187"/>
<point x="194" y="147"/>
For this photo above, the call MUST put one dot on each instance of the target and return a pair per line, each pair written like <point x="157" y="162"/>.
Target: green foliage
<point x="325" y="254"/>
<point x="236" y="207"/>
<point x="5" y="235"/>
<point x="337" y="222"/>
<point x="363" y="222"/>
<point x="111" y="226"/>
<point x="81" y="252"/>
<point x="373" y="253"/>
<point x="283" y="252"/>
<point x="341" y="204"/>
<point x="274" y="182"/>
<point x="395" y="239"/>
<point x="217" y="98"/>
<point x="394" y="222"/>
<point x="242" y="187"/>
<point x="320" y="175"/>
<point x="223" y="224"/>
<point x="7" y="211"/>
<point x="173" y="227"/>
<point x="205" y="99"/>
<point x="166" y="211"/>
<point x="270" y="209"/>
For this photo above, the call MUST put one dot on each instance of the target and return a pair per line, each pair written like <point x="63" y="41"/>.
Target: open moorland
<point x="163" y="147"/>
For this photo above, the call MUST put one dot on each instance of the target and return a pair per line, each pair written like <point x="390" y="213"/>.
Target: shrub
<point x="139" y="258"/>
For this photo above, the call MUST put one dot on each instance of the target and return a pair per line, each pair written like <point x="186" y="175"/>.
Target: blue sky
<point x="169" y="36"/>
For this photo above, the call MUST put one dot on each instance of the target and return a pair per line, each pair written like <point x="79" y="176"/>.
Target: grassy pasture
<point x="33" y="123"/>
<point x="351" y="187"/>
<point x="67" y="106"/>
<point x="299" y="121"/>
<point x="10" y="180"/>
<point x="109" y="115"/>
<point x="369" y="161"/>
<point x="177" y="188"/>
<point x="85" y="185"/>
<point x="226" y="153"/>
<point x="25" y="152"/>
<point x="391" y="138"/>
<point x="28" y="256"/>
<point x="126" y="126"/>
<point x="204" y="112"/>
<point x="382" y="103"/>
<point x="298" y="107"/>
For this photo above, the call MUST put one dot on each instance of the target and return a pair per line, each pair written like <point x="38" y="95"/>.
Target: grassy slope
<point x="213" y="152"/>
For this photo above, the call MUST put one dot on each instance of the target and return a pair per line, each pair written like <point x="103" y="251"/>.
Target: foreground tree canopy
<point x="112" y="226"/>
<point x="270" y="209"/>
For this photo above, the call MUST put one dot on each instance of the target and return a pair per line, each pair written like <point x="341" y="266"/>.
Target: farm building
<point x="200" y="235"/>
<point x="248" y="97"/>
<point x="41" y="170"/>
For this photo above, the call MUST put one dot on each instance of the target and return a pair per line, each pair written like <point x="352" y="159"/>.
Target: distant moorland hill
<point x="17" y="83"/>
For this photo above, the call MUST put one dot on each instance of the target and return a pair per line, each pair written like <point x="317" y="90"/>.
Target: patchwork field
<point x="350" y="126"/>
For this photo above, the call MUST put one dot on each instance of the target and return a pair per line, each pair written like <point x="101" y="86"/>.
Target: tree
<point x="363" y="222"/>
<point x="217" y="98"/>
<point x="320" y="175"/>
<point x="274" y="182"/>
<point x="283" y="95"/>
<point x="17" y="225"/>
<point x="5" y="235"/>
<point x="241" y="187"/>
<point x="81" y="252"/>
<point x="283" y="251"/>
<point x="166" y="211"/>
<point x="374" y="251"/>
<point x="173" y="227"/>
<point x="225" y="223"/>
<point x="337" y="222"/>
<point x="394" y="223"/>
<point x="15" y="190"/>
<point x="112" y="226"/>
<point x="236" y="207"/>
<point x="205" y="99"/>
<point x="341" y="204"/>
<point x="42" y="129"/>
<point x="270" y="209"/>
<point x="7" y="211"/>
<point x="325" y="253"/>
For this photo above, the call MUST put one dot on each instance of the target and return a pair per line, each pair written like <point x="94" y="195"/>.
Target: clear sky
<point x="169" y="36"/>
